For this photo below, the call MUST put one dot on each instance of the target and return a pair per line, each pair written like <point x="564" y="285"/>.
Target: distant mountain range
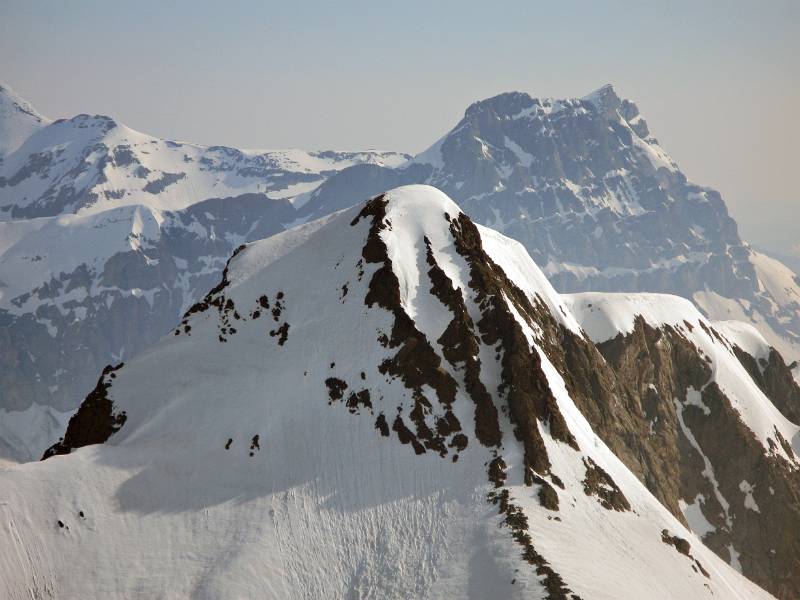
<point x="109" y="235"/>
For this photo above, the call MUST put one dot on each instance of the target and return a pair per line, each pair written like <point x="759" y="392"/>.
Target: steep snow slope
<point x="108" y="236"/>
<point x="596" y="201"/>
<point x="386" y="425"/>
<point x="777" y="317"/>
<point x="604" y="316"/>
<point x="709" y="422"/>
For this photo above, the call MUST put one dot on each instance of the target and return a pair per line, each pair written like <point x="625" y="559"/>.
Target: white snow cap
<point x="18" y="120"/>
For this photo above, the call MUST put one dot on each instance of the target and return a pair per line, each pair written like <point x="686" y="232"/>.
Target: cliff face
<point x="677" y="418"/>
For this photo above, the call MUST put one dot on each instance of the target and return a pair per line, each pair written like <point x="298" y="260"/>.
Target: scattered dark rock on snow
<point x="336" y="388"/>
<point x="599" y="483"/>
<point x="381" y="425"/>
<point x="684" y="547"/>
<point x="359" y="399"/>
<point x="497" y="471"/>
<point x="524" y="384"/>
<point x="681" y="545"/>
<point x="406" y="436"/>
<point x="281" y="332"/>
<point x="415" y="362"/>
<point x="254" y="445"/>
<point x="548" y="497"/>
<point x="516" y="520"/>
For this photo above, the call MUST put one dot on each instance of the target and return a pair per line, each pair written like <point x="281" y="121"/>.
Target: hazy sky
<point x="718" y="82"/>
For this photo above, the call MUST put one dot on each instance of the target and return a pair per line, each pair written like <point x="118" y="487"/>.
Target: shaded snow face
<point x="399" y="408"/>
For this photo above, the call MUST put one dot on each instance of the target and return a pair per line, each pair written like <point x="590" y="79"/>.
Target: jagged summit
<point x="604" y="97"/>
<point x="9" y="98"/>
<point x="521" y="105"/>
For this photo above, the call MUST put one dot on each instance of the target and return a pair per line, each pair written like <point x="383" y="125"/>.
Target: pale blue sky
<point x="719" y="82"/>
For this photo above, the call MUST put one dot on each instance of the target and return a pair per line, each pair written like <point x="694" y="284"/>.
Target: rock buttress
<point x="94" y="422"/>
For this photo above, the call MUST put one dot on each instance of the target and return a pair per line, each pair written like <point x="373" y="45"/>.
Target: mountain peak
<point x="18" y="120"/>
<point x="415" y="373"/>
<point x="604" y="99"/>
<point x="505" y="103"/>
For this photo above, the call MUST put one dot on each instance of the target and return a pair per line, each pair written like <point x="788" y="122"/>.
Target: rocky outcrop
<point x="95" y="421"/>
<point x="775" y="379"/>
<point x="677" y="430"/>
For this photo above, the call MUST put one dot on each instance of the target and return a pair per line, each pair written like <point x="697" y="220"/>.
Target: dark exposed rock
<point x="684" y="547"/>
<point x="255" y="445"/>
<point x="336" y="388"/>
<point x="598" y="483"/>
<point x="548" y="497"/>
<point x="406" y="436"/>
<point x="633" y="409"/>
<point x="517" y="522"/>
<point x="381" y="425"/>
<point x="681" y="545"/>
<point x="282" y="332"/>
<point x="497" y="471"/>
<point x="359" y="399"/>
<point x="415" y="363"/>
<point x="775" y="379"/>
<point x="159" y="185"/>
<point x="460" y="347"/>
<point x="525" y="385"/>
<point x="95" y="420"/>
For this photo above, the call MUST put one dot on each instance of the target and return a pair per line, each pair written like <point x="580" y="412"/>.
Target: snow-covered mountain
<point x="597" y="202"/>
<point x="18" y="121"/>
<point x="106" y="236"/>
<point x="110" y="234"/>
<point x="420" y="415"/>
